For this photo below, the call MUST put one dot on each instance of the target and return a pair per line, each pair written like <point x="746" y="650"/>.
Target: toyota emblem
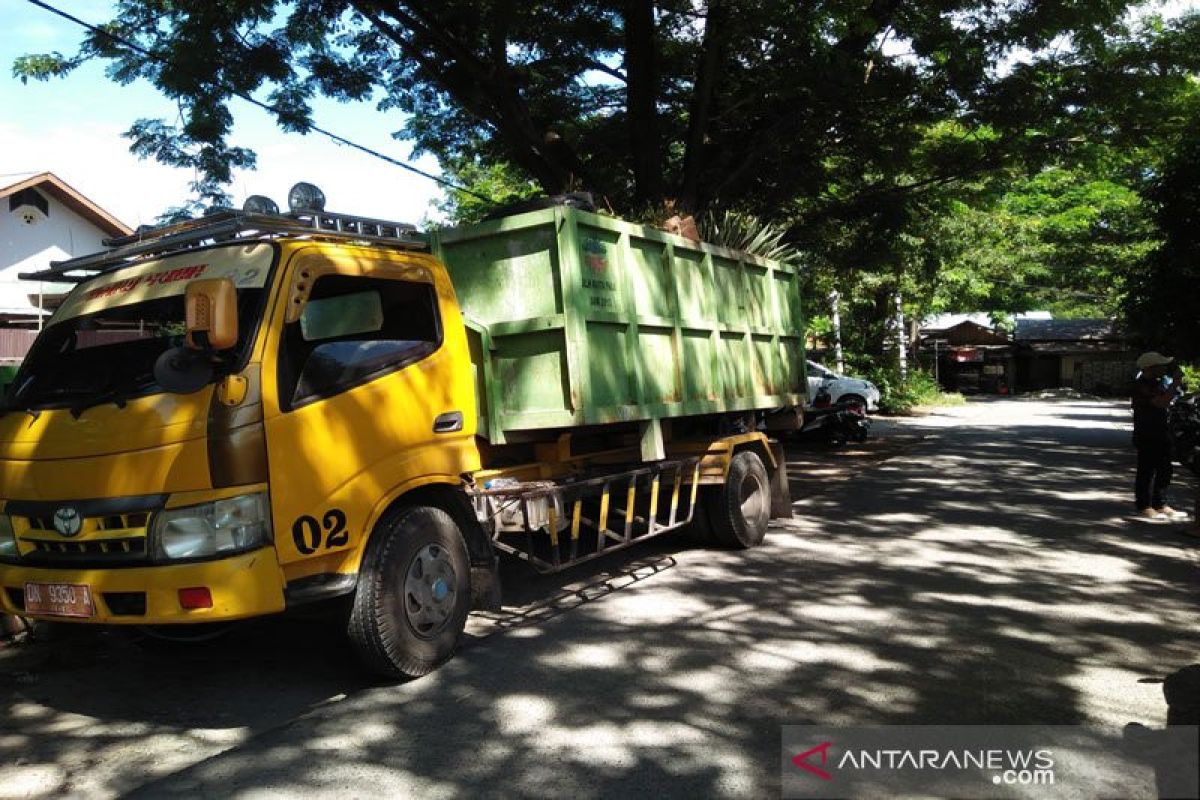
<point x="67" y="521"/>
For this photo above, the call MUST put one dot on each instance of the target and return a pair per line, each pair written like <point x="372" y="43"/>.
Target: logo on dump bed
<point x="67" y="521"/>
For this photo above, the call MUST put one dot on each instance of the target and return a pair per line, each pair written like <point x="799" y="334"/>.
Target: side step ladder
<point x="554" y="525"/>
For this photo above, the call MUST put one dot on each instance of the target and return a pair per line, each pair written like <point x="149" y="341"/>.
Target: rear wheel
<point x="741" y="509"/>
<point x="854" y="400"/>
<point x="414" y="593"/>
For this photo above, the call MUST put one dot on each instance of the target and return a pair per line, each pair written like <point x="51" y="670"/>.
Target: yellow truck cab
<point x="240" y="414"/>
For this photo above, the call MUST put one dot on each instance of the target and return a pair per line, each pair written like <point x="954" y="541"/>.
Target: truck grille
<point x="109" y="523"/>
<point x="97" y="547"/>
<point x="88" y="553"/>
<point x="112" y="531"/>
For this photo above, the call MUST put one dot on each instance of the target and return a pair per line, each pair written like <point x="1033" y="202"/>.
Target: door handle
<point x="450" y="422"/>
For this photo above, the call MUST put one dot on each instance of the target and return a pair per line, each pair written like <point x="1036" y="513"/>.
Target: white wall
<point x="28" y="248"/>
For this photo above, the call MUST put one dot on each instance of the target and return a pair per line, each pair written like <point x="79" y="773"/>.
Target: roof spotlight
<point x="260" y="204"/>
<point x="306" y="197"/>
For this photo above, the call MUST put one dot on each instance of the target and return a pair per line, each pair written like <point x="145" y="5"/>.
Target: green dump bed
<point x="583" y="319"/>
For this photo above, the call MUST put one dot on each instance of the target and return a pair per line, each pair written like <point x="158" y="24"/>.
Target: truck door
<point x="364" y="385"/>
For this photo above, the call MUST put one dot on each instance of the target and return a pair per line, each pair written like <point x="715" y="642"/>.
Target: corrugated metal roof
<point x="941" y="322"/>
<point x="1065" y="330"/>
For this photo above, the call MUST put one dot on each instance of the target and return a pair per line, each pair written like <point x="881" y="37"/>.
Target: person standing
<point x="1153" y="391"/>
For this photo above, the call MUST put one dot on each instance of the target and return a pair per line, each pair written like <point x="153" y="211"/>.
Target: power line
<point x="260" y="104"/>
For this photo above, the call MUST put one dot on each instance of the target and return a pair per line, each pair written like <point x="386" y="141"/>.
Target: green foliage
<point x="900" y="396"/>
<point x="43" y="67"/>
<point x="1163" y="304"/>
<point x="807" y="113"/>
<point x="964" y="154"/>
<point x="1191" y="376"/>
<point x="497" y="180"/>
<point x="1062" y="239"/>
<point x="749" y="234"/>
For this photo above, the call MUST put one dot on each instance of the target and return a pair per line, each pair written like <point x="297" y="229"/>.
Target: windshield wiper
<point x="118" y="396"/>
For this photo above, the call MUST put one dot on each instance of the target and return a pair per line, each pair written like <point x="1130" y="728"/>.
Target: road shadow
<point x="989" y="575"/>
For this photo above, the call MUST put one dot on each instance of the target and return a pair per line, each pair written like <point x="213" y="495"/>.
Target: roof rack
<point x="227" y="226"/>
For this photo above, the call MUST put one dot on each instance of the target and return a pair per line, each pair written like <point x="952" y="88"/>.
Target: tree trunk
<point x="642" y="90"/>
<point x="481" y="84"/>
<point x="715" y="31"/>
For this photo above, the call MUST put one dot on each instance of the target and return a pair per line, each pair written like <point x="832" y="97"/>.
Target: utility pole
<point x="837" y="332"/>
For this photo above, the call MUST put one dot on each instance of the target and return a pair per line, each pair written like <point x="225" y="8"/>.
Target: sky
<point x="72" y="127"/>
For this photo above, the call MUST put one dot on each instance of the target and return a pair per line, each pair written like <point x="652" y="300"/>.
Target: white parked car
<point x="840" y="388"/>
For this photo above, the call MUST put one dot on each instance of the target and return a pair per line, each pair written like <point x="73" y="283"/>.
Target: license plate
<point x="59" y="600"/>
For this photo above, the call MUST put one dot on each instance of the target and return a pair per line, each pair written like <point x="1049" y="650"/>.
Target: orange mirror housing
<point x="212" y="321"/>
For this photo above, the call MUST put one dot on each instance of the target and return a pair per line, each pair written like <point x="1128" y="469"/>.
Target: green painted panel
<point x="766" y="367"/>
<point x="531" y="372"/>
<point x="795" y="373"/>
<point x="698" y="383"/>
<point x="695" y="286"/>
<point x="7" y="374"/>
<point x="758" y="294"/>
<point x="787" y="314"/>
<point x="650" y="278"/>
<point x="592" y="319"/>
<point x="507" y="277"/>
<point x="733" y="365"/>
<point x="729" y="292"/>
<point x="476" y="347"/>
<point x="660" y="365"/>
<point x="607" y="366"/>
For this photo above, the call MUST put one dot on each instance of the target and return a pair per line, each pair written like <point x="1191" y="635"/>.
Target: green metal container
<point x="7" y="373"/>
<point x="582" y="319"/>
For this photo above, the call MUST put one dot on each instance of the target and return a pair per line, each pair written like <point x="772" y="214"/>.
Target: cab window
<point x="354" y="330"/>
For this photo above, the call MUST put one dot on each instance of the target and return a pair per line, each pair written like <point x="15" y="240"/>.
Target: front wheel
<point x="414" y="593"/>
<point x="741" y="509"/>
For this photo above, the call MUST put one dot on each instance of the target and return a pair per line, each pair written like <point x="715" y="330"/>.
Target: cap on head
<point x="1152" y="359"/>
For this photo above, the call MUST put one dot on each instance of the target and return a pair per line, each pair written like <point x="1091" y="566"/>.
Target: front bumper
<point x="248" y="585"/>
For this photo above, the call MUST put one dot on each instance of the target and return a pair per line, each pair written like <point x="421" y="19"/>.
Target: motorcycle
<point x="838" y="422"/>
<point x="1184" y="423"/>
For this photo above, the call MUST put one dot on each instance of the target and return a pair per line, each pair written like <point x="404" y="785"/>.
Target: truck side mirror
<point x="211" y="314"/>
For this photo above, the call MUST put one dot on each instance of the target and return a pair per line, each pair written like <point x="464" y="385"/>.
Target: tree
<point x="760" y="104"/>
<point x="958" y="151"/>
<point x="1065" y="240"/>
<point x="1163" y="304"/>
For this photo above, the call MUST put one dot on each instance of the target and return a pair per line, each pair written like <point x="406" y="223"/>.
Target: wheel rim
<point x="752" y="497"/>
<point x="430" y="591"/>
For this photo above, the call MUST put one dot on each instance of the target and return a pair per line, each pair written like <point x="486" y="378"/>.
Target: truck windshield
<point x="109" y="355"/>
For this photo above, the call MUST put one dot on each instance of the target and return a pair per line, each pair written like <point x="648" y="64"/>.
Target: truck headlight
<point x="8" y="540"/>
<point x="223" y="527"/>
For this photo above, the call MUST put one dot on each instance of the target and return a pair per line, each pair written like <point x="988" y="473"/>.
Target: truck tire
<point x="414" y="593"/>
<point x="740" y="510"/>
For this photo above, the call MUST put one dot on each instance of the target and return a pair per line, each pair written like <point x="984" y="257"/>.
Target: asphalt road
<point x="988" y="573"/>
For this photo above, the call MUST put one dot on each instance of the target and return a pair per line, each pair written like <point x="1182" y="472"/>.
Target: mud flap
<point x="781" y="492"/>
<point x="485" y="587"/>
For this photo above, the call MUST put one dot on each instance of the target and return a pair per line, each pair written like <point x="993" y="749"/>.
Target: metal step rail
<point x="544" y="522"/>
<point x="225" y="226"/>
